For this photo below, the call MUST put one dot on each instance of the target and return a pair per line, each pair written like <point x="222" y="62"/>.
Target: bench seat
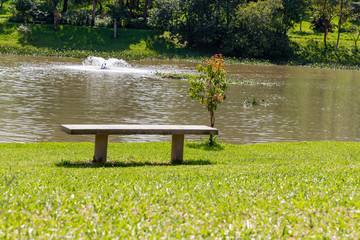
<point x="101" y="133"/>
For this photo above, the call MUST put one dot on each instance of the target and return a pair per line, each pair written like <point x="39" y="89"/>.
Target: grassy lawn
<point x="82" y="41"/>
<point x="280" y="190"/>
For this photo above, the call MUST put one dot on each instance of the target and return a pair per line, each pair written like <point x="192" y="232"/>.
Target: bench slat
<point x="127" y="129"/>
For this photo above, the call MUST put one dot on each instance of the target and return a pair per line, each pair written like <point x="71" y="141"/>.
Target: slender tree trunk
<point x="212" y="118"/>
<point x="56" y="19"/>
<point x="65" y="6"/>
<point x="339" y="25"/>
<point x="93" y="13"/>
<point x="325" y="23"/>
<point x="227" y="12"/>
<point x="212" y="124"/>
<point x="357" y="40"/>
<point x="115" y="27"/>
<point x="145" y="8"/>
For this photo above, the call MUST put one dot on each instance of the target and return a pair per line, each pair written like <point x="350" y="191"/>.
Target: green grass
<point x="311" y="49"/>
<point x="82" y="41"/>
<point x="280" y="190"/>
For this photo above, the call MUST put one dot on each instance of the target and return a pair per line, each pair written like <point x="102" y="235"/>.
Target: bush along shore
<point x="278" y="190"/>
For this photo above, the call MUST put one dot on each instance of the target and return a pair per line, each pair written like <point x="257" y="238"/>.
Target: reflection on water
<point x="38" y="94"/>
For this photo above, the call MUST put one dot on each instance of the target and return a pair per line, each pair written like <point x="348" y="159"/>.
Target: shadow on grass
<point x="205" y="146"/>
<point x="113" y="164"/>
<point x="302" y="33"/>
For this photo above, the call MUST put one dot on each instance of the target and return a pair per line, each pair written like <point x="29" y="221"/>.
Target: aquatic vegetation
<point x="174" y="75"/>
<point x="253" y="101"/>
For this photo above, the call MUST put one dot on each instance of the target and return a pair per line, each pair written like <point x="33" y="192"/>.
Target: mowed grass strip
<point x="278" y="190"/>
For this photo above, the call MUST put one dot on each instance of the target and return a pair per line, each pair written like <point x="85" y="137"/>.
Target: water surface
<point x="37" y="94"/>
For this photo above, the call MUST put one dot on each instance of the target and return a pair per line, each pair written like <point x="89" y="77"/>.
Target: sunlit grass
<point x="281" y="190"/>
<point x="71" y="40"/>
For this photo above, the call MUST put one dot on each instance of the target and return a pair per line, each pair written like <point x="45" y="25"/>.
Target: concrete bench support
<point x="177" y="149"/>
<point x="101" y="142"/>
<point x="102" y="132"/>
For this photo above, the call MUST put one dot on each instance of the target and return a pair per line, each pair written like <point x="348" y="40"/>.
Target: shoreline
<point x="134" y="56"/>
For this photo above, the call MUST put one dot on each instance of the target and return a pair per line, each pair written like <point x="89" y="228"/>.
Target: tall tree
<point x="117" y="13"/>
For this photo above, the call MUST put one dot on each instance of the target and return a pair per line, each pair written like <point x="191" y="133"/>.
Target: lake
<point x="37" y="94"/>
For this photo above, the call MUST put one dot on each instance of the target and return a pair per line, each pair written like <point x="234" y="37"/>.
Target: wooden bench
<point x="38" y="22"/>
<point x="102" y="132"/>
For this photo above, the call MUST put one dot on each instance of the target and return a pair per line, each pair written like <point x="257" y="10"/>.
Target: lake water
<point x="37" y="94"/>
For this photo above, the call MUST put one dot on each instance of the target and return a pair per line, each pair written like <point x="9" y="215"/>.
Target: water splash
<point x="111" y="62"/>
<point x="113" y="66"/>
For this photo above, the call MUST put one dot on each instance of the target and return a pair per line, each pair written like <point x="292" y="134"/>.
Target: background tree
<point x="294" y="11"/>
<point x="209" y="87"/>
<point x="344" y="13"/>
<point x="23" y="6"/>
<point x="354" y="29"/>
<point x="323" y="13"/>
<point x="117" y="13"/>
<point x="259" y="31"/>
<point x="254" y="29"/>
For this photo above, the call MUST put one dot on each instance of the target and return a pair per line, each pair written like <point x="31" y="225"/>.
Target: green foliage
<point x="164" y="16"/>
<point x="196" y="23"/>
<point x="316" y="52"/>
<point x="294" y="10"/>
<point x="209" y="86"/>
<point x="117" y="12"/>
<point x="254" y="29"/>
<point x="76" y="18"/>
<point x="323" y="13"/>
<point x="103" y="22"/>
<point x="40" y="12"/>
<point x="305" y="190"/>
<point x="260" y="31"/>
<point x="22" y="6"/>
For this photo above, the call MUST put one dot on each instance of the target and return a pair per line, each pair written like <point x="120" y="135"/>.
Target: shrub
<point x="40" y="12"/>
<point x="209" y="87"/>
<point x="103" y="22"/>
<point x="25" y="32"/>
<point x="76" y="18"/>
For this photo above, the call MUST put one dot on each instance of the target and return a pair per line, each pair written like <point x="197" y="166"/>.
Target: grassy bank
<point x="134" y="44"/>
<point x="310" y="49"/>
<point x="83" y="41"/>
<point x="283" y="190"/>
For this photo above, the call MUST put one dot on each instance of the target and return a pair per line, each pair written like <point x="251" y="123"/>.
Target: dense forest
<point x="239" y="28"/>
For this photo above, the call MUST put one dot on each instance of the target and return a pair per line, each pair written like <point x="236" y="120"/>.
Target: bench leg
<point x="101" y="142"/>
<point x="177" y="149"/>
